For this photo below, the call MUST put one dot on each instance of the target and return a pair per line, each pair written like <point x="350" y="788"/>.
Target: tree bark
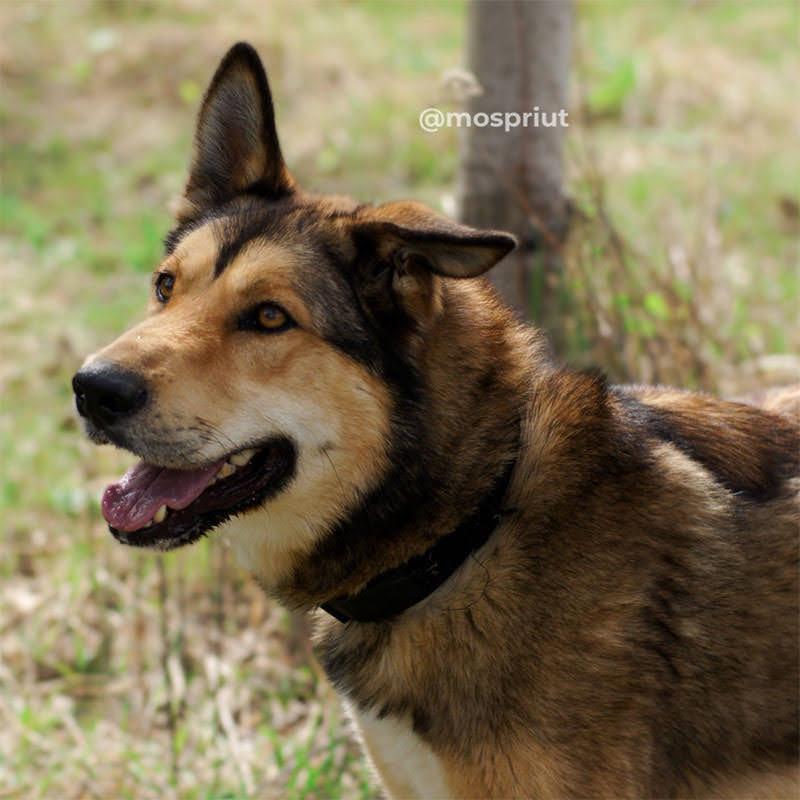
<point x="519" y="52"/>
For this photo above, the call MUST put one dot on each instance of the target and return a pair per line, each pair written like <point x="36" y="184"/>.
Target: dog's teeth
<point x="161" y="514"/>
<point x="226" y="470"/>
<point x="240" y="459"/>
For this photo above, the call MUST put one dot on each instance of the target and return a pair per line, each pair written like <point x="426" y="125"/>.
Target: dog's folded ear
<point x="410" y="230"/>
<point x="402" y="249"/>
<point x="236" y="146"/>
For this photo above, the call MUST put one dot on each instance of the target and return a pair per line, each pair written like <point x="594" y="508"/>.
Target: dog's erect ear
<point x="403" y="231"/>
<point x="236" y="145"/>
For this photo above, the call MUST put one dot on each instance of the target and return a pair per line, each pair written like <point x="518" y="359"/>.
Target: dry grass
<point x="128" y="675"/>
<point x="683" y="260"/>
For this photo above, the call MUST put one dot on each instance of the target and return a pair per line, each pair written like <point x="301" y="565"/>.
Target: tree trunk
<point x="513" y="180"/>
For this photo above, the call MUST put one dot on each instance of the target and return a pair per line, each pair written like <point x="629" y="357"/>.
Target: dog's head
<point x="261" y="389"/>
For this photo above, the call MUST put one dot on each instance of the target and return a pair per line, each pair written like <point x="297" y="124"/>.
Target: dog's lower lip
<point x="264" y="471"/>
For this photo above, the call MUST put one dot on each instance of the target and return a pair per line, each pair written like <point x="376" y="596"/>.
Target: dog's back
<point x="725" y="597"/>
<point x="686" y="529"/>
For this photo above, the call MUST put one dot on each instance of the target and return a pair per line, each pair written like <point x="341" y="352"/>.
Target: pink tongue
<point x="132" y="502"/>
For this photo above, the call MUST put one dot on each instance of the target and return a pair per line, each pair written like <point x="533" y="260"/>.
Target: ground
<point x="132" y="675"/>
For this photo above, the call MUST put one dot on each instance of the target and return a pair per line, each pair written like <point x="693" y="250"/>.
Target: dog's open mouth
<point x="154" y="506"/>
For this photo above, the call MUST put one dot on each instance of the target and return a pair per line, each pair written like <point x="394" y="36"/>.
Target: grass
<point x="122" y="675"/>
<point x="682" y="154"/>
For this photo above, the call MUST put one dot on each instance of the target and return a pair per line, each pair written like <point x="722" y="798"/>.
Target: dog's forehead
<point x="257" y="252"/>
<point x="242" y="247"/>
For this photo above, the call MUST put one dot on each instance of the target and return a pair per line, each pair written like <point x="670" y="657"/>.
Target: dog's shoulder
<point x="751" y="451"/>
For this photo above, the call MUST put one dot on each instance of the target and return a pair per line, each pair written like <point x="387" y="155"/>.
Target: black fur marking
<point x="331" y="296"/>
<point x="392" y="592"/>
<point x="770" y="456"/>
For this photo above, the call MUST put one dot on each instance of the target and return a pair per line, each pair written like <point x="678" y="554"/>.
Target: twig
<point x="172" y="722"/>
<point x="228" y="725"/>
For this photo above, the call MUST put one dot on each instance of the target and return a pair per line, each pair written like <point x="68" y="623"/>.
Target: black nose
<point x="105" y="393"/>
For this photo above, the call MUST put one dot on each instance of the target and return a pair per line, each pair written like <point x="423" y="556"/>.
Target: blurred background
<point x="128" y="675"/>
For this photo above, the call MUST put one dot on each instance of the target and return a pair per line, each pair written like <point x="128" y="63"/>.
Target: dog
<point x="527" y="582"/>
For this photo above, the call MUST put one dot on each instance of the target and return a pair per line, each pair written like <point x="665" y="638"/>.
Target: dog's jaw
<point x="269" y="541"/>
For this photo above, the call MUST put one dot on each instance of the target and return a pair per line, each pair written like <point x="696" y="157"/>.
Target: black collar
<point x="395" y="590"/>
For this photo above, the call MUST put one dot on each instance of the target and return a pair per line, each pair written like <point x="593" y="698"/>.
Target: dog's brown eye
<point x="165" y="283"/>
<point x="271" y="317"/>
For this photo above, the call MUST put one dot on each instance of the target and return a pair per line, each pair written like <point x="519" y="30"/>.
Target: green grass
<point x="690" y="124"/>
<point x="688" y="119"/>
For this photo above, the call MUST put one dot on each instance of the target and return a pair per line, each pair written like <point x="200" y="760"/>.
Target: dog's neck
<point x="391" y="593"/>
<point x="453" y="437"/>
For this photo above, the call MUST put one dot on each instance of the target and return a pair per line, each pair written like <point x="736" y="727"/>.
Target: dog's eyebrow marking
<point x="174" y="237"/>
<point x="236" y="231"/>
<point x="231" y="248"/>
<point x="228" y="252"/>
<point x="235" y="237"/>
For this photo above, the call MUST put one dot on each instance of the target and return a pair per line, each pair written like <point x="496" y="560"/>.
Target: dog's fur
<point x="630" y="628"/>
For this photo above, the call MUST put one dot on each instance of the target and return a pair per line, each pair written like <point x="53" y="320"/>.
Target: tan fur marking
<point x="769" y="784"/>
<point x="242" y="387"/>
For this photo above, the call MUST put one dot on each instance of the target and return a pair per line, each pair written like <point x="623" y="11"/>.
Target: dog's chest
<point x="407" y="766"/>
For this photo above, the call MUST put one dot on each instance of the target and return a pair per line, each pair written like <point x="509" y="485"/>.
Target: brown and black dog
<point x="536" y="584"/>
